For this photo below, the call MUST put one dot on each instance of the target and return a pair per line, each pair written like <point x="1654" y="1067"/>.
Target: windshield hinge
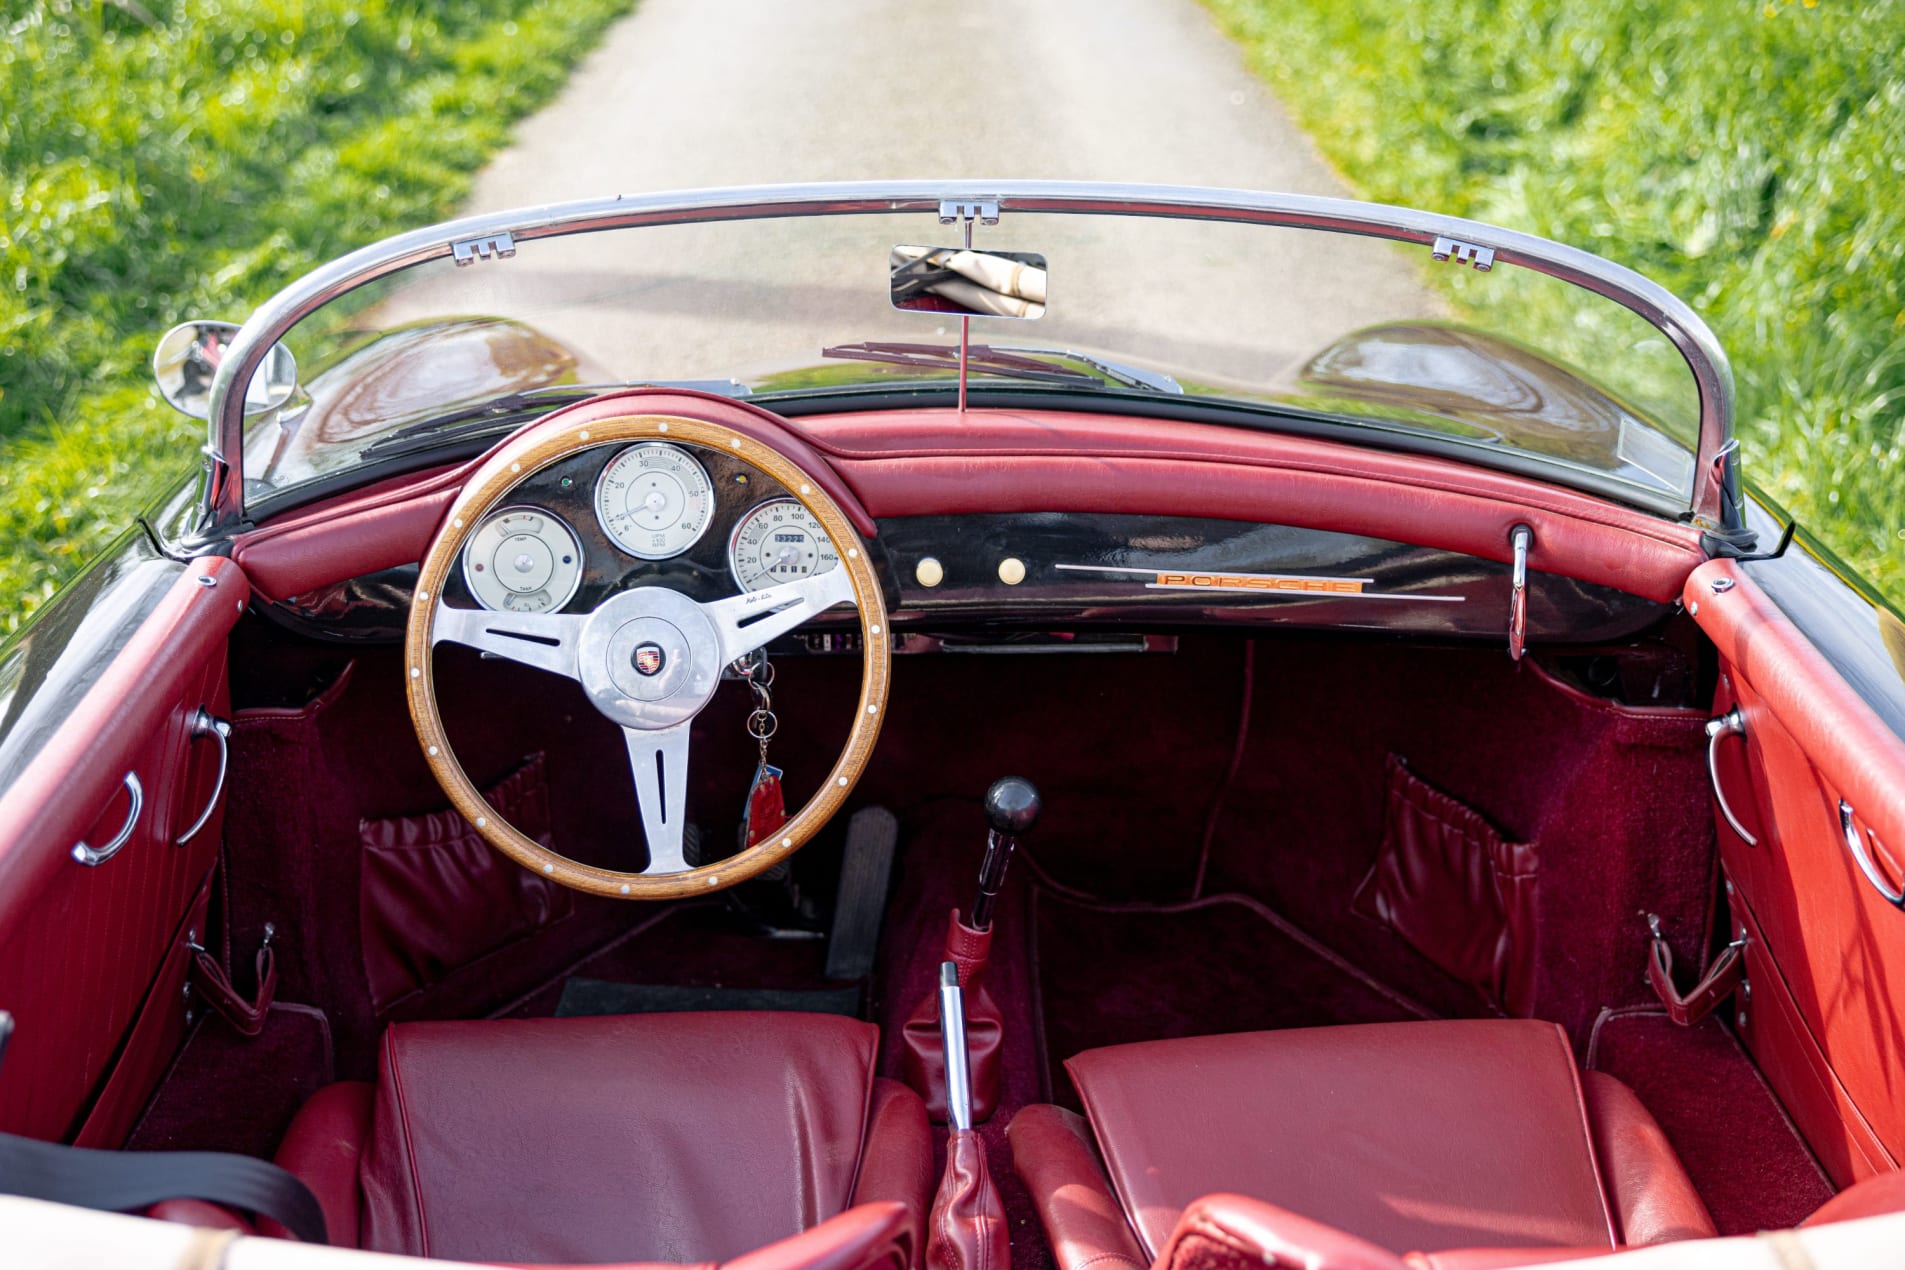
<point x="954" y="210"/>
<point x="468" y="251"/>
<point x="1483" y="258"/>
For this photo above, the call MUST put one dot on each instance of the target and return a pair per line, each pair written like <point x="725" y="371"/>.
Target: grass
<point x="1750" y="158"/>
<point x="164" y="160"/>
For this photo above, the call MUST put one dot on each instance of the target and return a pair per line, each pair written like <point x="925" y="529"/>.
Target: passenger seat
<point x="1462" y="1134"/>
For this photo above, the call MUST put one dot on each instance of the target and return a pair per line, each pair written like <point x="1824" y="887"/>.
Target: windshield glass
<point x="1283" y="326"/>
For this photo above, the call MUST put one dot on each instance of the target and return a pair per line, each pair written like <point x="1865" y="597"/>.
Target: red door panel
<point x="82" y="949"/>
<point x="1826" y="958"/>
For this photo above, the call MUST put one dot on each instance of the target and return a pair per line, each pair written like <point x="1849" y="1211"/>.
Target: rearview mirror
<point x="967" y="282"/>
<point x="188" y="356"/>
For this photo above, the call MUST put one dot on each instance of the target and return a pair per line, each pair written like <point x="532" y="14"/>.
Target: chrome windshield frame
<point x="1715" y="478"/>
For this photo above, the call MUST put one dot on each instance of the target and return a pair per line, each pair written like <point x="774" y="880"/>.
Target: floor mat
<point x="227" y="1092"/>
<point x="1742" y="1153"/>
<point x="1111" y="977"/>
<point x="582" y="997"/>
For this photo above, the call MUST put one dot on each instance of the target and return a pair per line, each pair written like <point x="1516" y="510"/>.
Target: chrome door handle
<point x="1732" y="723"/>
<point x="93" y="857"/>
<point x="204" y="724"/>
<point x="1856" y="845"/>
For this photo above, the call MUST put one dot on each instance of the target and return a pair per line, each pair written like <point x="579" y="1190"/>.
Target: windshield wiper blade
<point x="982" y="358"/>
<point x="1119" y="372"/>
<point x="511" y="407"/>
<point x="1043" y="365"/>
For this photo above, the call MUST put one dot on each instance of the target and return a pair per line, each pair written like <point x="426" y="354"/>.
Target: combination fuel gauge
<point x="523" y="560"/>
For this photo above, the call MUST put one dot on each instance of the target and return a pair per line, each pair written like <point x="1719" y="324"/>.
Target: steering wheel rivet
<point x="422" y="594"/>
<point x="806" y="489"/>
<point x="458" y="522"/>
<point x="433" y="749"/>
<point x="415" y="673"/>
<point x="585" y="434"/>
<point x="735" y="442"/>
<point x="663" y="425"/>
<point x="515" y="467"/>
<point x="843" y="782"/>
<point x="873" y="709"/>
<point x="625" y="888"/>
<point x="481" y="821"/>
<point x="787" y="842"/>
<point x="548" y="868"/>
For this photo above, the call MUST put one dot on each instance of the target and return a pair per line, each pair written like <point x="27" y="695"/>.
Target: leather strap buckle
<point x="1721" y="980"/>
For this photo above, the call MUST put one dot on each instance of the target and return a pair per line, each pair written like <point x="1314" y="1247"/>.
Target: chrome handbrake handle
<point x="952" y="1036"/>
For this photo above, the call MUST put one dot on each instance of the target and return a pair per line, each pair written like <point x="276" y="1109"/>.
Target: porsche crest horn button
<point x="649" y="659"/>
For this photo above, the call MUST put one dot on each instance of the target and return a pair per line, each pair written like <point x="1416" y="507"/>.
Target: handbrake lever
<point x="952" y="1037"/>
<point x="967" y="1221"/>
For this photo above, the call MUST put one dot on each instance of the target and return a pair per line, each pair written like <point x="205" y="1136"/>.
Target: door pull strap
<point x="247" y="1016"/>
<point x="1721" y="980"/>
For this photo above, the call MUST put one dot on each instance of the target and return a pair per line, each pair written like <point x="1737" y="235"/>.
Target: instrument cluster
<point x="638" y="515"/>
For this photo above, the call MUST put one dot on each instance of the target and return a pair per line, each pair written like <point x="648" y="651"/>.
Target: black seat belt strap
<point x="131" y="1181"/>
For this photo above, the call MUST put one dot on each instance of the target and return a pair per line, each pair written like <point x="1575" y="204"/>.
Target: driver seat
<point x="633" y="1138"/>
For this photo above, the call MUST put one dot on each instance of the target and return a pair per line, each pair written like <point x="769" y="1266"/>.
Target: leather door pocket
<point x="1455" y="889"/>
<point x="435" y="897"/>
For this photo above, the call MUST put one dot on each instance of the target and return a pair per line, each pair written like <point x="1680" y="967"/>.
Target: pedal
<point x="866" y="870"/>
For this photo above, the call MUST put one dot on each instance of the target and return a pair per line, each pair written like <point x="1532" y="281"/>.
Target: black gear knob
<point x="1012" y="806"/>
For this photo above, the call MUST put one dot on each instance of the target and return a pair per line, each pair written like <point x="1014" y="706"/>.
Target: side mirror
<point x="188" y="356"/>
<point x="967" y="282"/>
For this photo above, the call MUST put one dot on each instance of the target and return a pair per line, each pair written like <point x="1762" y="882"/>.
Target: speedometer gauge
<point x="523" y="560"/>
<point x="779" y="541"/>
<point x="654" y="500"/>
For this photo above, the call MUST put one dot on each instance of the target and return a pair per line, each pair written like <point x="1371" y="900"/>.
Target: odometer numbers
<point x="778" y="541"/>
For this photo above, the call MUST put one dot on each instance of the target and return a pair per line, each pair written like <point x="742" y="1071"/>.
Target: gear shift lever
<point x="1012" y="807"/>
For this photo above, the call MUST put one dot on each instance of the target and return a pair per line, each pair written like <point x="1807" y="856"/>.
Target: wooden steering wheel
<point x="654" y="705"/>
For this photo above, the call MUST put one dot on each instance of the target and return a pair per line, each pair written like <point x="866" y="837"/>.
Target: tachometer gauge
<point x="779" y="541"/>
<point x="654" y="500"/>
<point x="523" y="560"/>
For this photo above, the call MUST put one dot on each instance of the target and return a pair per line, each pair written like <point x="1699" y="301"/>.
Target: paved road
<point x="689" y="93"/>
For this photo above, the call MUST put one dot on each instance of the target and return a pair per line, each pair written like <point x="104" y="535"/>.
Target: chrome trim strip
<point x="224" y="484"/>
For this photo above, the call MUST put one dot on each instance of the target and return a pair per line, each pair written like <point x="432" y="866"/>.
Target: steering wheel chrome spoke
<point x="659" y="759"/>
<point x="546" y="641"/>
<point x="746" y="622"/>
<point x="649" y="657"/>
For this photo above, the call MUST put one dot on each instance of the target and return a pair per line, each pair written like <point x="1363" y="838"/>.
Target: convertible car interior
<point x="674" y="825"/>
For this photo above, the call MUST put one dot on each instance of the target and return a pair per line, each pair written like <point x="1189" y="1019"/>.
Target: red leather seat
<point x="1471" y="1134"/>
<point x="648" y="1138"/>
